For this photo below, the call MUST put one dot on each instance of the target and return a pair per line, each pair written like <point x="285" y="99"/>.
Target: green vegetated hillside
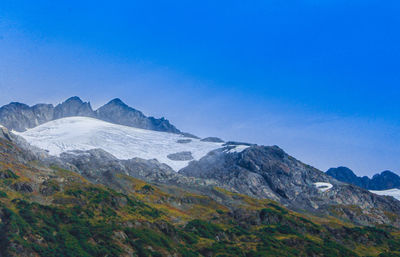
<point x="49" y="211"/>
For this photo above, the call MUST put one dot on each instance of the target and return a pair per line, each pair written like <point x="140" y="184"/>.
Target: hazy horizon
<point x="319" y="79"/>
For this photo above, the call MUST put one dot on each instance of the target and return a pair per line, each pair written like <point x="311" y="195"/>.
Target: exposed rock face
<point x="213" y="139"/>
<point x="260" y="171"/>
<point x="384" y="180"/>
<point x="73" y="106"/>
<point x="4" y="133"/>
<point x="181" y="156"/>
<point x="184" y="141"/>
<point x="43" y="113"/>
<point x="19" y="117"/>
<point x="237" y="143"/>
<point x="119" y="113"/>
<point x="102" y="167"/>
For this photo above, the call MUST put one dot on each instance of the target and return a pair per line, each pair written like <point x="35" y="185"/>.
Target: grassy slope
<point x="53" y="212"/>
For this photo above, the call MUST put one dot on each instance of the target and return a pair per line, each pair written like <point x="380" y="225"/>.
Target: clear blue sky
<point x="319" y="78"/>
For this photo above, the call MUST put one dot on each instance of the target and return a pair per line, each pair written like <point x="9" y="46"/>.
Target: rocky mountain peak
<point x="386" y="173"/>
<point x="116" y="111"/>
<point x="17" y="105"/>
<point x="73" y="99"/>
<point x="73" y="106"/>
<point x="117" y="102"/>
<point x="342" y="173"/>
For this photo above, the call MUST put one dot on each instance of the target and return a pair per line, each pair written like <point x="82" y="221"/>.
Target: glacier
<point x="84" y="133"/>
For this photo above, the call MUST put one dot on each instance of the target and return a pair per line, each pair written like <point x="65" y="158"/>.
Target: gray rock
<point x="118" y="112"/>
<point x="22" y="187"/>
<point x="212" y="139"/>
<point x="181" y="156"/>
<point x="231" y="143"/>
<point x="185" y="134"/>
<point x="4" y="133"/>
<point x="184" y="141"/>
<point x="73" y="106"/>
<point x="17" y="116"/>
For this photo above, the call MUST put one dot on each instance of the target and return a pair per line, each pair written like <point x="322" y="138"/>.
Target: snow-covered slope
<point x="391" y="192"/>
<point x="83" y="133"/>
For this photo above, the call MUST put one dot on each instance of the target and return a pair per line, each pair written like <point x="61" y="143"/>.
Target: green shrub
<point x="203" y="228"/>
<point x="3" y="194"/>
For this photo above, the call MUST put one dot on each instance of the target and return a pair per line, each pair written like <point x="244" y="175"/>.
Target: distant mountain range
<point x="20" y="117"/>
<point x="383" y="181"/>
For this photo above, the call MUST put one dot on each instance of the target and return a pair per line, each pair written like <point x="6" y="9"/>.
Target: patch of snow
<point x="237" y="149"/>
<point x="83" y="133"/>
<point x="323" y="186"/>
<point x="390" y="192"/>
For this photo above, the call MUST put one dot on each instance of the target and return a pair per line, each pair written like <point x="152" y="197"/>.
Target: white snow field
<point x="391" y="192"/>
<point x="83" y="133"/>
<point x="323" y="186"/>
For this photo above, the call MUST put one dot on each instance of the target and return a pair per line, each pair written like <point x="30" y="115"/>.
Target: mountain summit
<point x="118" y="112"/>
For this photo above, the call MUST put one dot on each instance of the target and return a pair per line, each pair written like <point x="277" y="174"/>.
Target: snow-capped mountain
<point x="117" y="139"/>
<point x="84" y="133"/>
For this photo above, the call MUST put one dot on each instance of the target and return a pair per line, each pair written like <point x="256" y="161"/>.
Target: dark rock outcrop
<point x="212" y="139"/>
<point x="4" y="133"/>
<point x="181" y="156"/>
<point x="184" y="141"/>
<point x="231" y="143"/>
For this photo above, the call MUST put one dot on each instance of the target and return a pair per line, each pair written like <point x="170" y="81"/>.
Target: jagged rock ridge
<point x="383" y="181"/>
<point x="19" y="117"/>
